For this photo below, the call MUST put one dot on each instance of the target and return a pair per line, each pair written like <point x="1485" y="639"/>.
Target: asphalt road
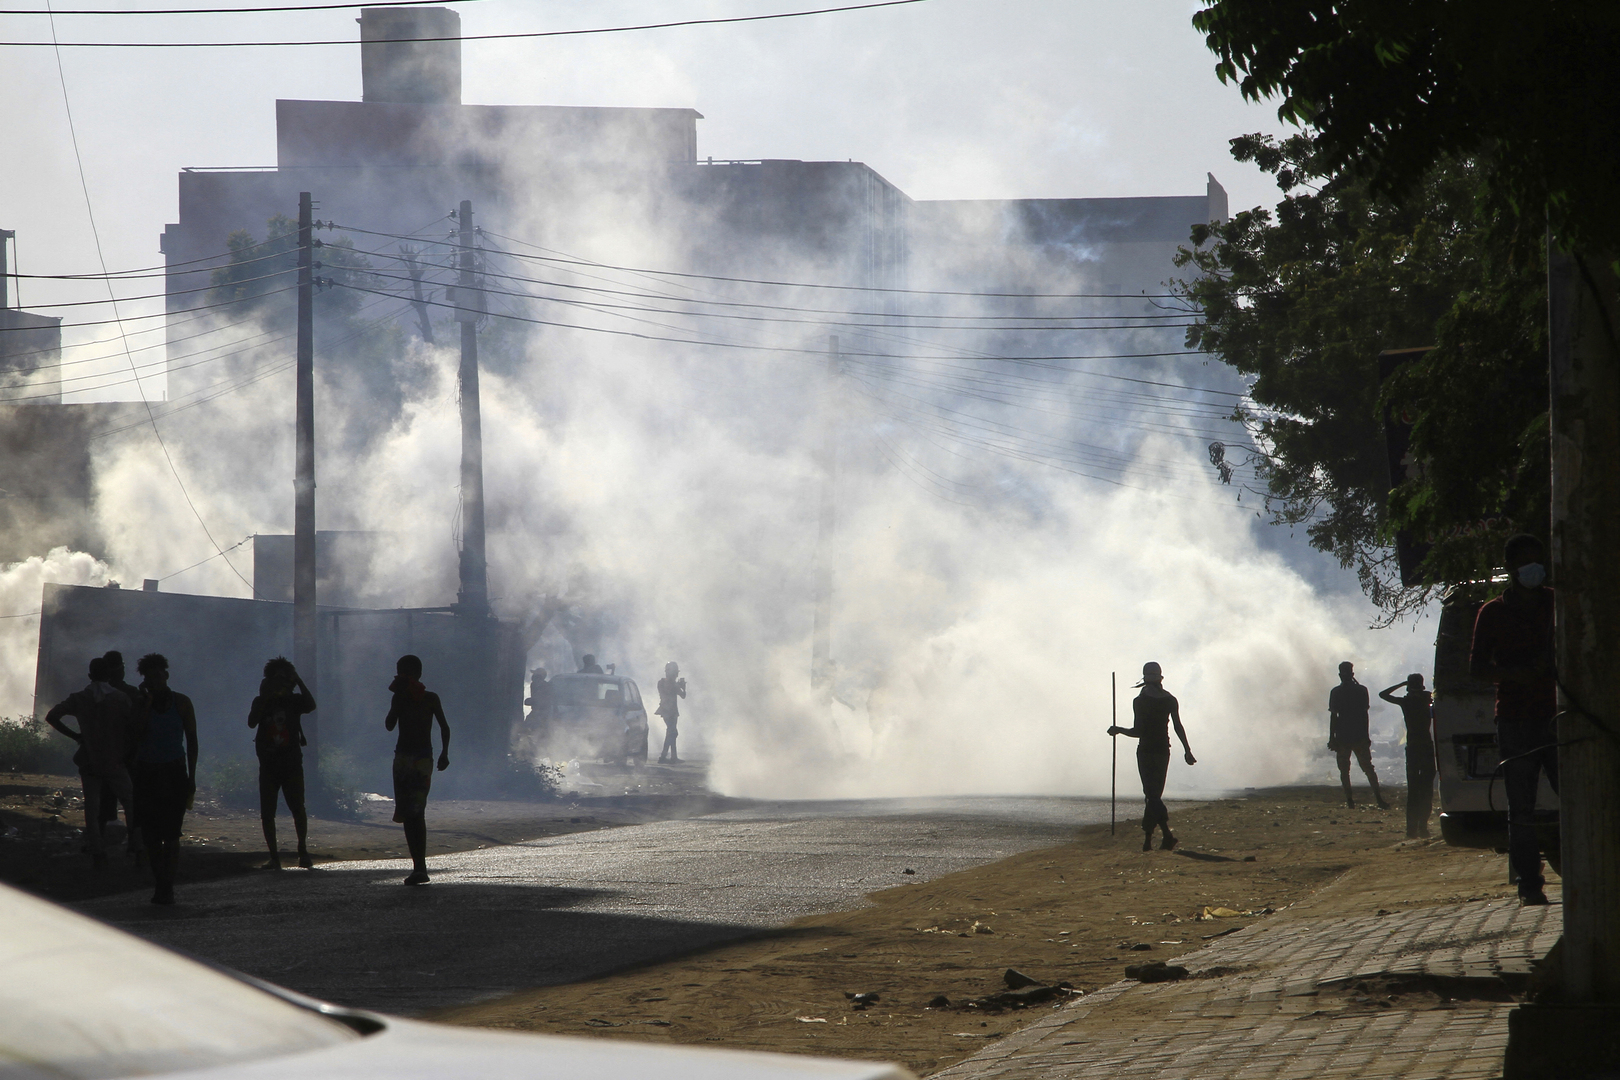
<point x="577" y="906"/>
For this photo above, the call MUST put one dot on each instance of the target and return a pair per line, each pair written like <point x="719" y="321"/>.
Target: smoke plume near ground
<point x="665" y="497"/>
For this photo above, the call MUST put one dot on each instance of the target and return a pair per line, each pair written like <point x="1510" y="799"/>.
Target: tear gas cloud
<point x="667" y="495"/>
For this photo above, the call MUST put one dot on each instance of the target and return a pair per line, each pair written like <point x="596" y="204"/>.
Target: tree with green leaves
<point x="1303" y="300"/>
<point x="1393" y="89"/>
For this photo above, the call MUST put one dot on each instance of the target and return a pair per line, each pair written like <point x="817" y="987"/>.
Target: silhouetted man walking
<point x="1154" y="710"/>
<point x="589" y="666"/>
<point x="1513" y="648"/>
<point x="278" y="714"/>
<point x="414" y="709"/>
<point x="670" y="688"/>
<point x="1416" y="707"/>
<point x="1348" y="732"/>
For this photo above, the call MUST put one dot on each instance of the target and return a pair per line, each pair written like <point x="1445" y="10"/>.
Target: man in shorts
<point x="1348" y="732"/>
<point x="278" y="714"/>
<point x="414" y="709"/>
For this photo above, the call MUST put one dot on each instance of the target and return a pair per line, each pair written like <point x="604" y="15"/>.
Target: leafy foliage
<point x="1393" y="88"/>
<point x="1303" y="301"/>
<point x="30" y="745"/>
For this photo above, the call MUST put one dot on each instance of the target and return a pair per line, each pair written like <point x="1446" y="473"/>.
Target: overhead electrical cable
<point x="848" y="289"/>
<point x="828" y="311"/>
<point x="95" y="233"/>
<point x="119" y="320"/>
<point x="172" y="292"/>
<point x="228" y="11"/>
<point x="736" y="316"/>
<point x="518" y="35"/>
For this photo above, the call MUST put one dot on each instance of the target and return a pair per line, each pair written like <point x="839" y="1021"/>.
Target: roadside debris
<point x="1156" y="972"/>
<point x="908" y="870"/>
<point x="861" y="1002"/>
<point x="939" y="1001"/>
<point x="1017" y="980"/>
<point x="811" y="1019"/>
<point x="981" y="928"/>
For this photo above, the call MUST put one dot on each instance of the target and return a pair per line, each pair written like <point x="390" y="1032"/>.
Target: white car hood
<point x="80" y="1000"/>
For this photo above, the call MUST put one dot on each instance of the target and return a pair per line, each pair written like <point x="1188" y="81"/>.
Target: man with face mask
<point x="1513" y="648"/>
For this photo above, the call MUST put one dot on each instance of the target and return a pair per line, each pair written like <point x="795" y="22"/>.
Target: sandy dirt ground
<point x="1074" y="914"/>
<point x="41" y="818"/>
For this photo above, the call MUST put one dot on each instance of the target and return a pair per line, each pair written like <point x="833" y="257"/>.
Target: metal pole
<point x="474" y="596"/>
<point x="821" y="631"/>
<point x="1113" y="762"/>
<point x="306" y="654"/>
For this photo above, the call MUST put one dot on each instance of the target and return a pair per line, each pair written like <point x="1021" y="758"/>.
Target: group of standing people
<point x="138" y="749"/>
<point x="1512" y="648"/>
<point x="1349" y="734"/>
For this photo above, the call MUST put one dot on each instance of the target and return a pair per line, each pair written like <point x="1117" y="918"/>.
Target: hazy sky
<point x="947" y="99"/>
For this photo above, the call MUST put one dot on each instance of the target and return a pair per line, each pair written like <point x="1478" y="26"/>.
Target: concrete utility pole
<point x="821" y="630"/>
<point x="306" y="626"/>
<point x="1579" y="1035"/>
<point x="474" y="596"/>
<point x="5" y="272"/>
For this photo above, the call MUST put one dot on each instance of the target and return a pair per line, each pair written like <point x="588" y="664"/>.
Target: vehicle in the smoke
<point x="597" y="718"/>
<point x="1473" y="804"/>
<point x="82" y="999"/>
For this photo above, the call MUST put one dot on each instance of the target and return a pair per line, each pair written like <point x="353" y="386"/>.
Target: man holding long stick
<point x="1155" y="709"/>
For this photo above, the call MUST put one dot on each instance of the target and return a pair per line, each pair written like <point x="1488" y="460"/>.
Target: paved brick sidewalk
<point x="1414" y="994"/>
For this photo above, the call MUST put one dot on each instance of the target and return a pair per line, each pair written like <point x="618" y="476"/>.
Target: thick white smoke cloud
<point x="21" y="585"/>
<point x="668" y="494"/>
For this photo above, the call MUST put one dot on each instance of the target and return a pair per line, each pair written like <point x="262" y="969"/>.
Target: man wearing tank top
<point x="1154" y="710"/>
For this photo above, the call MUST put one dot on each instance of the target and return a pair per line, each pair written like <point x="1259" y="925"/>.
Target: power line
<point x="120" y="320"/>
<point x="459" y="37"/>
<point x="799" y="284"/>
<point x="831" y="311"/>
<point x="161" y="271"/>
<point x="605" y="306"/>
<point x="95" y="234"/>
<point x="227" y="11"/>
<point x="163" y="295"/>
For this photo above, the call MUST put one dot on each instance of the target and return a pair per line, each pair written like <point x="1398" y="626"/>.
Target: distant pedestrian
<point x="670" y="688"/>
<point x="414" y="710"/>
<point x="1513" y="648"/>
<point x="278" y="714"/>
<point x="589" y="666"/>
<point x="540" y="696"/>
<point x="104" y="714"/>
<point x="165" y="771"/>
<point x="1417" y="707"/>
<point x="1348" y="732"/>
<point x="1154" y="710"/>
